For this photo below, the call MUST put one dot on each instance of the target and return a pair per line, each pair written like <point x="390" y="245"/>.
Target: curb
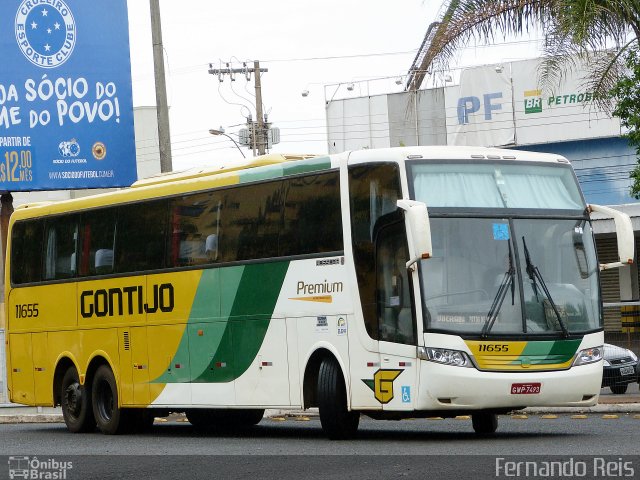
<point x="281" y="414"/>
<point x="32" y="418"/>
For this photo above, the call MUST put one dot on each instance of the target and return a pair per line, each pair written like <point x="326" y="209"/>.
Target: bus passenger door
<point x="396" y="382"/>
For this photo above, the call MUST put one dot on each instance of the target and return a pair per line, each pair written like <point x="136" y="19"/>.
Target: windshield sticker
<point x="500" y="231"/>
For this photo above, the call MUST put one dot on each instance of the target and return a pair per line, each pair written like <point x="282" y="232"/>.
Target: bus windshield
<point x="494" y="185"/>
<point x="495" y="274"/>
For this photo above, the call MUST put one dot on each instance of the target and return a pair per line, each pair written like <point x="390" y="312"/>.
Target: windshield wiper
<point x="535" y="276"/>
<point x="507" y="281"/>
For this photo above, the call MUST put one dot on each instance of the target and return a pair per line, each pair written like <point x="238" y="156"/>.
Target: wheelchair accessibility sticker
<point x="406" y="394"/>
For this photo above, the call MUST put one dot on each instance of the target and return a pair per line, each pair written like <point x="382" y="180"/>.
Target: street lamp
<point x="220" y="131"/>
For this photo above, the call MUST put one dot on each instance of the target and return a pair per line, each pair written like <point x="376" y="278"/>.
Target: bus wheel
<point x="141" y="420"/>
<point x="484" y="423"/>
<point x="337" y="422"/>
<point x="76" y="403"/>
<point x="110" y="418"/>
<point x="223" y="419"/>
<point x="247" y="417"/>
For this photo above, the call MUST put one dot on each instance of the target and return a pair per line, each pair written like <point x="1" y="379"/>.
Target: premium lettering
<point x="126" y="301"/>
<point x="316" y="288"/>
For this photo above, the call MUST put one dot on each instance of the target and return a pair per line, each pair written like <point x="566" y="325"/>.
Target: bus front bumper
<point x="444" y="387"/>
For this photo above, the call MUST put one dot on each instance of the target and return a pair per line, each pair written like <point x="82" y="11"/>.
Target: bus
<point x="396" y="283"/>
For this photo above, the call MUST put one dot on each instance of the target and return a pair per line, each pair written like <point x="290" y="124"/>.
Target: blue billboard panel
<point x="66" y="112"/>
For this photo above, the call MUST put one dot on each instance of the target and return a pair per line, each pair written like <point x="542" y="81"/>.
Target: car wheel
<point x="618" y="389"/>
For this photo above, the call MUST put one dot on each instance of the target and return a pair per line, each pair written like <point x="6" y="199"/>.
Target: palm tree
<point x="597" y="33"/>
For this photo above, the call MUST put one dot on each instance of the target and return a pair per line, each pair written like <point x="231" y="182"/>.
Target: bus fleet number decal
<point x="491" y="347"/>
<point x="27" y="310"/>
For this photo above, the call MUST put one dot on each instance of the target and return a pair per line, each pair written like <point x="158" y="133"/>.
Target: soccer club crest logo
<point x="45" y="32"/>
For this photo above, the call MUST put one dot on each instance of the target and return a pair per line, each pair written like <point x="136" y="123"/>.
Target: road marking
<point x="636" y="416"/>
<point x="463" y="417"/>
<point x="519" y="417"/>
<point x="435" y="418"/>
<point x="160" y="420"/>
<point x="549" y="417"/>
<point x="579" y="417"/>
<point x="301" y="419"/>
<point x="278" y="419"/>
<point x="610" y="417"/>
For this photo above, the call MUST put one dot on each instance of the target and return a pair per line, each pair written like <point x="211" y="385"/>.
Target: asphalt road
<point x="296" y="448"/>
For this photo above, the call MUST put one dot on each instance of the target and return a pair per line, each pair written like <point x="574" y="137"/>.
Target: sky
<point x="316" y="46"/>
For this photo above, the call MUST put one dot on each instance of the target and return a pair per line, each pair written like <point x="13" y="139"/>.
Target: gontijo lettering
<point x="117" y="301"/>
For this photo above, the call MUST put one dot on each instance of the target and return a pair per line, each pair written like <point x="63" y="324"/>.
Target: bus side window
<point x="97" y="242"/>
<point x="194" y="231"/>
<point x="61" y="236"/>
<point x="312" y="215"/>
<point x="252" y="217"/>
<point x="395" y="316"/>
<point x="373" y="192"/>
<point x="140" y="238"/>
<point x="26" y="252"/>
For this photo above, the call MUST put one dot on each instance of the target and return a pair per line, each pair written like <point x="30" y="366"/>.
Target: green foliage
<point x="626" y="93"/>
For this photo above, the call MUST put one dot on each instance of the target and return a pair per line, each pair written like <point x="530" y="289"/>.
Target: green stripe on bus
<point x="285" y="169"/>
<point x="295" y="168"/>
<point x="548" y="352"/>
<point x="223" y="346"/>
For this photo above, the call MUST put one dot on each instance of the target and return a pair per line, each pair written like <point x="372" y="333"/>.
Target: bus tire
<point x="141" y="420"/>
<point x="110" y="418"/>
<point x="246" y="417"/>
<point x="223" y="419"/>
<point x="337" y="421"/>
<point x="484" y="423"/>
<point x="77" y="410"/>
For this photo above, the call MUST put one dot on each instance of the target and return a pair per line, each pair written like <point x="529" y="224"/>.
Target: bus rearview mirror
<point x="418" y="230"/>
<point x="624" y="234"/>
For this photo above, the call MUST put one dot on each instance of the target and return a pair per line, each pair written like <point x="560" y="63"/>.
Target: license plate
<point x="525" y="388"/>
<point x="627" y="370"/>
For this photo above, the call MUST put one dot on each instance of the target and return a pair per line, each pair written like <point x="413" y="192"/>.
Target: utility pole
<point x="258" y="129"/>
<point x="164" y="134"/>
<point x="261" y="137"/>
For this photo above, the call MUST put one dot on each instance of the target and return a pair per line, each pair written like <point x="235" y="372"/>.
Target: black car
<point x="620" y="368"/>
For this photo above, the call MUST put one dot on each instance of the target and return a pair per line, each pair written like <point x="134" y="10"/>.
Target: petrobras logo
<point x="532" y="101"/>
<point x="69" y="149"/>
<point x="45" y="32"/>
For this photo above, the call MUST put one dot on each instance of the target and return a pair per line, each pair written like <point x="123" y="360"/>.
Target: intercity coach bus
<point x="395" y="283"/>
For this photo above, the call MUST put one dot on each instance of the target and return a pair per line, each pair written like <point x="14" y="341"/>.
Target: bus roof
<point x="261" y="161"/>
<point x="271" y="166"/>
<point x="443" y="152"/>
<point x="175" y="183"/>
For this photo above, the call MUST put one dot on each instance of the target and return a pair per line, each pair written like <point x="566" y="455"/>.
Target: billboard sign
<point x="480" y="109"/>
<point x="566" y="113"/>
<point x="66" y="112"/>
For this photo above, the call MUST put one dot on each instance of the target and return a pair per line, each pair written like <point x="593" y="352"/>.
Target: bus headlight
<point x="445" y="356"/>
<point x="588" y="355"/>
